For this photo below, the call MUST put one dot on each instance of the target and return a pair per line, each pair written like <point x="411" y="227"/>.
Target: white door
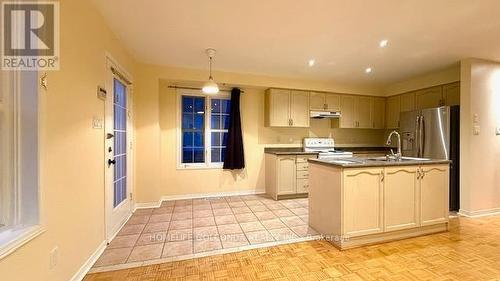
<point x="117" y="150"/>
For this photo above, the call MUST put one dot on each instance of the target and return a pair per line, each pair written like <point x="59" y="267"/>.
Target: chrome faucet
<point x="398" y="155"/>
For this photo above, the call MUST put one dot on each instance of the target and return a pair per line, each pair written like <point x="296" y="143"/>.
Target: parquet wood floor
<point x="469" y="251"/>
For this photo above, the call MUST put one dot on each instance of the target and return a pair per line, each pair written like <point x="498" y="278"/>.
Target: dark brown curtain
<point x="235" y="158"/>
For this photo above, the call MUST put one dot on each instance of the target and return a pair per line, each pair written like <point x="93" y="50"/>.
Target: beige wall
<point x="448" y="75"/>
<point x="480" y="169"/>
<point x="156" y="128"/>
<point x="72" y="155"/>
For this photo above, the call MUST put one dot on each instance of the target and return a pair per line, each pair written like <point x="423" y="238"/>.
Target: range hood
<point x="325" y="114"/>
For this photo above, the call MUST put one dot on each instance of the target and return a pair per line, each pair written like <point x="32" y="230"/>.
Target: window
<point x="19" y="212"/>
<point x="203" y="133"/>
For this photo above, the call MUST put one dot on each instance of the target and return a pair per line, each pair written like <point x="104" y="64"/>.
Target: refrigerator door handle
<point x="417" y="136"/>
<point x="422" y="136"/>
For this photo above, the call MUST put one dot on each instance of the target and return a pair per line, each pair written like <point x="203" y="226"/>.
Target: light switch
<point x="476" y="130"/>
<point x="97" y="123"/>
<point x="497" y="131"/>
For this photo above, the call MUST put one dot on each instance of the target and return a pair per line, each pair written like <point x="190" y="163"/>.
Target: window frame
<point x="207" y="164"/>
<point x="24" y="223"/>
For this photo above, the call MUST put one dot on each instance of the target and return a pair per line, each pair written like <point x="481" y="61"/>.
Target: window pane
<point x="216" y="155"/>
<point x="199" y="123"/>
<point x="215" y="122"/>
<point x="198" y="139"/>
<point x="222" y="154"/>
<point x="225" y="122"/>
<point x="224" y="139"/>
<point x="187" y="121"/>
<point x="187" y="104"/>
<point x="187" y="139"/>
<point x="216" y="141"/>
<point x="199" y="155"/>
<point x="187" y="155"/>
<point x="216" y="106"/>
<point x="226" y="106"/>
<point x="199" y="105"/>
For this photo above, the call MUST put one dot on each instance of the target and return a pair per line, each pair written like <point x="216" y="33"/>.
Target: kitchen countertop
<point x="300" y="151"/>
<point x="358" y="162"/>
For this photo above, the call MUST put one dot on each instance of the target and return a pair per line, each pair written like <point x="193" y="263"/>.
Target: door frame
<point x="112" y="229"/>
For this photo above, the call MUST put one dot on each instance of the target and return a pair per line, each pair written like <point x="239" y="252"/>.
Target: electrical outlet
<point x="53" y="257"/>
<point x="97" y="123"/>
<point x="476" y="130"/>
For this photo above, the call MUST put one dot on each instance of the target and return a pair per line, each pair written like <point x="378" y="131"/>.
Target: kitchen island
<point x="362" y="201"/>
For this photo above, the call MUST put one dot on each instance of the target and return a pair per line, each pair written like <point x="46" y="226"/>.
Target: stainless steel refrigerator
<point x="434" y="133"/>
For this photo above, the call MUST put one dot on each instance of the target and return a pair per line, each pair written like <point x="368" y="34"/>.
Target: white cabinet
<point x="287" y="174"/>
<point x="324" y="101"/>
<point x="429" y="98"/>
<point x="286" y="108"/>
<point x="433" y="197"/>
<point x="379" y="113"/>
<point x="361" y="112"/>
<point x="392" y="112"/>
<point x="363" y="201"/>
<point x="451" y="94"/>
<point x="401" y="193"/>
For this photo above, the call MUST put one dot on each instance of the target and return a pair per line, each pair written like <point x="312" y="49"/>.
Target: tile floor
<point x="188" y="227"/>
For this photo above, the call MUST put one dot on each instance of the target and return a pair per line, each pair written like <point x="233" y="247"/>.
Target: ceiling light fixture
<point x="368" y="70"/>
<point x="210" y="86"/>
<point x="383" y="43"/>
<point x="311" y="62"/>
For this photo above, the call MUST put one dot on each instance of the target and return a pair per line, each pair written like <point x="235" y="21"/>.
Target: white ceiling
<point x="278" y="37"/>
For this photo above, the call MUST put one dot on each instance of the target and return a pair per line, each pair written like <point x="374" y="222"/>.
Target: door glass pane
<point x="120" y="142"/>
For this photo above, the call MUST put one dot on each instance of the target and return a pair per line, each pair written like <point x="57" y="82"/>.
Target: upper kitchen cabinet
<point x="286" y="108"/>
<point x="324" y="101"/>
<point x="393" y="109"/>
<point x="451" y="94"/>
<point x="379" y="113"/>
<point x="429" y="98"/>
<point x="408" y="102"/>
<point x="361" y="112"/>
<point x="364" y="112"/>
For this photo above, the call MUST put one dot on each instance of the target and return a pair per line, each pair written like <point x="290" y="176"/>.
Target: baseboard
<point x="480" y="213"/>
<point x="80" y="274"/>
<point x="196" y="196"/>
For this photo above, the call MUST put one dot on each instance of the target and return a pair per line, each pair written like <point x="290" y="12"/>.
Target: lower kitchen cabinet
<point x="400" y="198"/>
<point x="434" y="199"/>
<point x="287" y="175"/>
<point x="363" y="201"/>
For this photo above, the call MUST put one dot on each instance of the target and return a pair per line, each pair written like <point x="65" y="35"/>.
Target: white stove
<point x="325" y="147"/>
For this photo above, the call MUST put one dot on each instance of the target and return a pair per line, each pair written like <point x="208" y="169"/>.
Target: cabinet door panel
<point x="302" y="185"/>
<point x="279" y="108"/>
<point x="332" y="102"/>
<point x="347" y="119"/>
<point x="286" y="175"/>
<point x="401" y="198"/>
<point x="408" y="102"/>
<point x="392" y="112"/>
<point x="364" y="112"/>
<point x="434" y="195"/>
<point x="299" y="109"/>
<point x="451" y="94"/>
<point x="429" y="98"/>
<point x="363" y="202"/>
<point x="317" y="101"/>
<point x="378" y="113"/>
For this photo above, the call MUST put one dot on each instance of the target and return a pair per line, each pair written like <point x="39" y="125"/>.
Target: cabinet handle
<point x="382" y="176"/>
<point x="291" y="122"/>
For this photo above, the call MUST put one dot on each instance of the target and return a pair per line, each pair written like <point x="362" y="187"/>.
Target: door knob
<point x="109" y="135"/>
<point x="110" y="162"/>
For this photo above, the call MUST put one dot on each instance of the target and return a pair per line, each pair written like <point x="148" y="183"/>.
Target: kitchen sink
<point x="383" y="158"/>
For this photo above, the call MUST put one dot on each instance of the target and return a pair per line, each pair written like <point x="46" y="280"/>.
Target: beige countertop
<point x="358" y="162"/>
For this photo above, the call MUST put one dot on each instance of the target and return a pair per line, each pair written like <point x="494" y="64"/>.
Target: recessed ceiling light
<point x="383" y="43"/>
<point x="311" y="62"/>
<point x="368" y="70"/>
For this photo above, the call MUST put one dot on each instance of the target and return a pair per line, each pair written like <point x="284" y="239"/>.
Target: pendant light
<point x="210" y="86"/>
